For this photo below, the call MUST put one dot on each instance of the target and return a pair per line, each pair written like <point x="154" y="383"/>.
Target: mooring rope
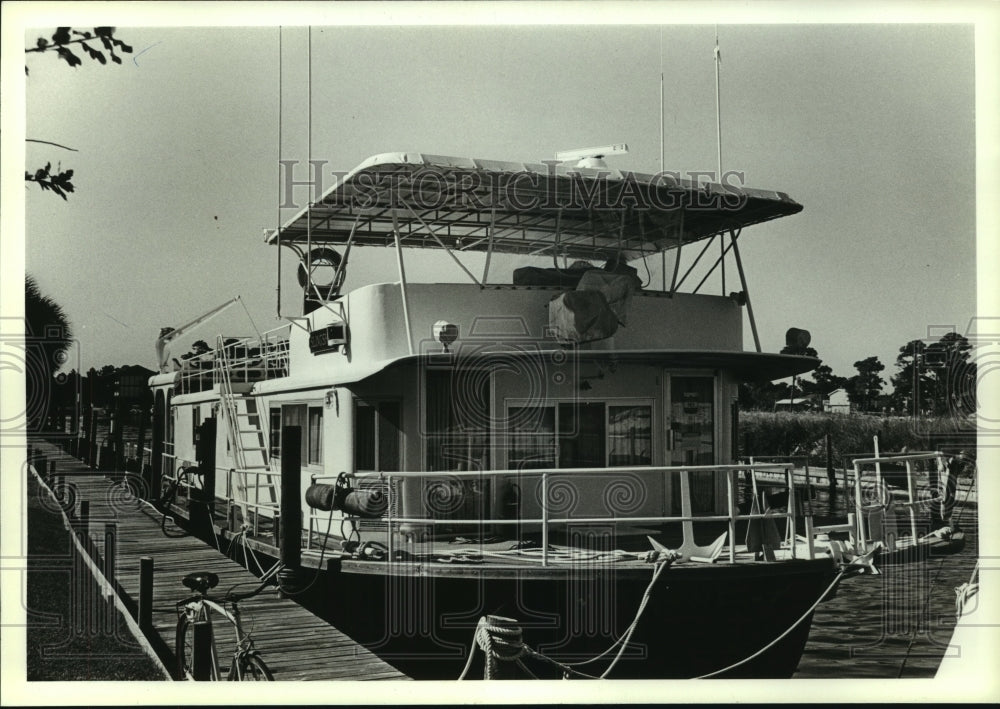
<point x="500" y="639"/>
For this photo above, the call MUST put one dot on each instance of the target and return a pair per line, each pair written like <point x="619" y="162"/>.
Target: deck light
<point x="445" y="333"/>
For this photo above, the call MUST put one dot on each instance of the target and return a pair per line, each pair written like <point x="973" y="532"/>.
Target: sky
<point x="870" y="127"/>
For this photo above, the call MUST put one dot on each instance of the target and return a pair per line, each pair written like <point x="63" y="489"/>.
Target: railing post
<point x="859" y="512"/>
<point x="810" y="548"/>
<point x="910" y="495"/>
<point x="731" y="491"/>
<point x="791" y="505"/>
<point x="545" y="519"/>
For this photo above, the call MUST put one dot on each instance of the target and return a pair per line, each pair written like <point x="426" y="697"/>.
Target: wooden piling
<point x="831" y="474"/>
<point x="110" y="549"/>
<point x="290" y="544"/>
<point x="201" y="650"/>
<point x="145" y="612"/>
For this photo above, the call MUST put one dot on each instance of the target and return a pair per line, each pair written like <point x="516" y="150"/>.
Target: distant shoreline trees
<point x="935" y="378"/>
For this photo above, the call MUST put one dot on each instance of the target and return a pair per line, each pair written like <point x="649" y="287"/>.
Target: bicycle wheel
<point x="250" y="668"/>
<point x="184" y="650"/>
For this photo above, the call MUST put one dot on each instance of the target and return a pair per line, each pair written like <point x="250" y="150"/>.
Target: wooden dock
<point x="295" y="643"/>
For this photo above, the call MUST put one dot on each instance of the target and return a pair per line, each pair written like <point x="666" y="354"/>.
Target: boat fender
<point x="320" y="496"/>
<point x="370" y="503"/>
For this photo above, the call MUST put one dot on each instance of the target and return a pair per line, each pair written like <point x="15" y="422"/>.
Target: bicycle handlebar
<point x="233" y="596"/>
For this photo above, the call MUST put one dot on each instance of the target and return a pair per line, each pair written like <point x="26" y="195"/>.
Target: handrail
<point x="546" y="520"/>
<point x="911" y="503"/>
<point x="574" y="471"/>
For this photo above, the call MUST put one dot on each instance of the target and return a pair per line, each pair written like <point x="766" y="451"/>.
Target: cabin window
<point x="579" y="434"/>
<point x="582" y="432"/>
<point x="315" y="443"/>
<point x="457" y="419"/>
<point x="309" y="419"/>
<point x="532" y="441"/>
<point x="274" y="434"/>
<point x="195" y="423"/>
<point x="376" y="436"/>
<point x="630" y="435"/>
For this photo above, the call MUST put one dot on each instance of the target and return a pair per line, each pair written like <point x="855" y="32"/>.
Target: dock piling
<point x="145" y="614"/>
<point x="110" y="549"/>
<point x="201" y="649"/>
<point x="290" y="544"/>
<point x="52" y="470"/>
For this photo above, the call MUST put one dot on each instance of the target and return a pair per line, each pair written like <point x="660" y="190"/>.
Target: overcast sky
<point x="870" y="127"/>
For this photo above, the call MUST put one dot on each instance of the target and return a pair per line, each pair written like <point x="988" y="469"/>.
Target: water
<point x="898" y="624"/>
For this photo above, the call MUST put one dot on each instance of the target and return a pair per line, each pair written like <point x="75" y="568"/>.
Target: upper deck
<point x="468" y="204"/>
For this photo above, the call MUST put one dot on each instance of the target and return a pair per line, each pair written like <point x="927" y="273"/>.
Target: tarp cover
<point x="617" y="290"/>
<point x="581" y="316"/>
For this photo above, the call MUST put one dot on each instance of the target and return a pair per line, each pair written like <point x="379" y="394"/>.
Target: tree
<point x="864" y="387"/>
<point x="59" y="182"/>
<point x="47" y="339"/>
<point x="941" y="371"/>
<point x="760" y="396"/>
<point x="824" y="381"/>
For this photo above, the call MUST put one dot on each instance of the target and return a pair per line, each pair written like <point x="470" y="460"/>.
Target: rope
<point x="500" y="640"/>
<point x="792" y="627"/>
<point x="624" y="639"/>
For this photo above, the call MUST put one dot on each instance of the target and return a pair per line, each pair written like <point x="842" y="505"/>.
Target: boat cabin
<point x="577" y="362"/>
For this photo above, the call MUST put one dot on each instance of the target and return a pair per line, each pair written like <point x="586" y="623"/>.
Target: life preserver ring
<point x="326" y="291"/>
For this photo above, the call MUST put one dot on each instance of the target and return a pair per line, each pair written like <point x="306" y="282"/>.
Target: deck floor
<point x="295" y="644"/>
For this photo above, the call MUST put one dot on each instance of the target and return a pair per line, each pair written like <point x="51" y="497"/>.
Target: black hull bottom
<point x="697" y="620"/>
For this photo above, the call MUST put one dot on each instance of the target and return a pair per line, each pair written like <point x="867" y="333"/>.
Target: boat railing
<point x="873" y="499"/>
<point x="243" y="492"/>
<point x="549" y="519"/>
<point x="247" y="359"/>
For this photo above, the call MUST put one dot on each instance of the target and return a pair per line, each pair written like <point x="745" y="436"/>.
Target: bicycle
<point x="247" y="665"/>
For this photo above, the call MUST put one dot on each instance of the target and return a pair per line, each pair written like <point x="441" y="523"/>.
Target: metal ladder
<point x="253" y="481"/>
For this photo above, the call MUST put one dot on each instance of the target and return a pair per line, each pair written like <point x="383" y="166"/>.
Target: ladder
<point x="253" y="482"/>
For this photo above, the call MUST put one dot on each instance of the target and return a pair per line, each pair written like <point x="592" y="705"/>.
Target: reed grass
<point x="787" y="433"/>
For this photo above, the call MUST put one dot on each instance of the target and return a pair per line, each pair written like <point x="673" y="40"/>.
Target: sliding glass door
<point x="691" y="437"/>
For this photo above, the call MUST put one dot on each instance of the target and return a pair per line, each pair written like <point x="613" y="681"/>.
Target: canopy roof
<point x="467" y="204"/>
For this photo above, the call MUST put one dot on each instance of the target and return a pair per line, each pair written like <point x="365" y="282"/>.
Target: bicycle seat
<point x="201" y="581"/>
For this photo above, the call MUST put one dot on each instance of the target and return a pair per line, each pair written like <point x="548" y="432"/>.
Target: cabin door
<point x="691" y="438"/>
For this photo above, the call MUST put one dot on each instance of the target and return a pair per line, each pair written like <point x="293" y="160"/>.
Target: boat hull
<point x="699" y="618"/>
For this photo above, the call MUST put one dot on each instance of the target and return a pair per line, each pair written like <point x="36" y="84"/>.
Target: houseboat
<point x="542" y="446"/>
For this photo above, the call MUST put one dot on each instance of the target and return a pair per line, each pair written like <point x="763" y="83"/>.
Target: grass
<point x="71" y="635"/>
<point x="780" y="433"/>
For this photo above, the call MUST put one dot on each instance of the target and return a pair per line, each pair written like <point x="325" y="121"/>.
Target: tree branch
<point x="48" y="142"/>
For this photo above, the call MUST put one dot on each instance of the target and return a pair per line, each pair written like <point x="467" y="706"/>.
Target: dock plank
<point x="295" y="643"/>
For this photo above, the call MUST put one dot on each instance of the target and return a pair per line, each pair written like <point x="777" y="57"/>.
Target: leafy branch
<point x="60" y="42"/>
<point x="66" y="36"/>
<point x="58" y="182"/>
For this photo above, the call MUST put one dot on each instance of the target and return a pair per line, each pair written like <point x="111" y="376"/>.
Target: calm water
<point x="897" y="624"/>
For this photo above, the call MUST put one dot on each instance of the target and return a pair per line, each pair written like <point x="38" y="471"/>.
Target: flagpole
<point x="718" y="103"/>
<point x="718" y="133"/>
